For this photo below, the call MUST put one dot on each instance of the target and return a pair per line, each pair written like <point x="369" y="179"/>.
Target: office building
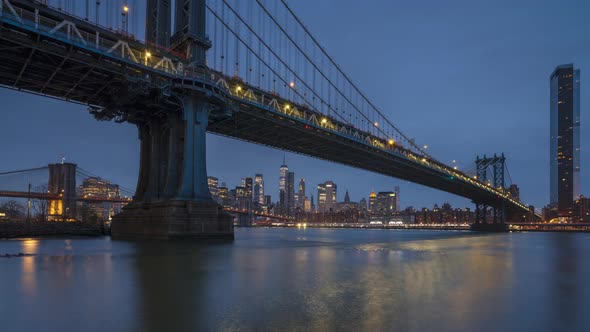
<point x="327" y="196"/>
<point x="301" y="194"/>
<point x="259" y="189"/>
<point x="290" y="191"/>
<point x="565" y="139"/>
<point x="213" y="183"/>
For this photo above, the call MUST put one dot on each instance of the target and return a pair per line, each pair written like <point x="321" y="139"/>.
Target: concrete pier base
<point x="491" y="227"/>
<point x="172" y="199"/>
<point x="173" y="220"/>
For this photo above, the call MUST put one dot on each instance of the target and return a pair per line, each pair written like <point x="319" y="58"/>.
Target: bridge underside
<point x="253" y="124"/>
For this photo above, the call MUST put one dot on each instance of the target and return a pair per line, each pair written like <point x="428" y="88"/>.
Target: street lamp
<point x="125" y="18"/>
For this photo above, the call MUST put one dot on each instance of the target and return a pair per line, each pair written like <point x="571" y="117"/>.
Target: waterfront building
<point x="223" y="196"/>
<point x="363" y="204"/>
<point x="327" y="196"/>
<point x="583" y="209"/>
<point x="96" y="187"/>
<point x="347" y="205"/>
<point x="565" y="139"/>
<point x="385" y="203"/>
<point x="213" y="183"/>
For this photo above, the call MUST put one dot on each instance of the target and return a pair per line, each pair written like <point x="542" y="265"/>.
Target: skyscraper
<point x="301" y="195"/>
<point x="372" y="199"/>
<point x="327" y="196"/>
<point x="397" y="201"/>
<point x="213" y="183"/>
<point x="259" y="189"/>
<point x="565" y="139"/>
<point x="290" y="191"/>
<point x="247" y="183"/>
<point x="283" y="183"/>
<point x="385" y="203"/>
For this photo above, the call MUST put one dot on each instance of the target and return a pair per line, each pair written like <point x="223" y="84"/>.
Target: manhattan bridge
<point x="249" y="70"/>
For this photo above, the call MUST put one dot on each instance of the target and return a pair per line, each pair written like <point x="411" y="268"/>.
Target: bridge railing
<point x="114" y="43"/>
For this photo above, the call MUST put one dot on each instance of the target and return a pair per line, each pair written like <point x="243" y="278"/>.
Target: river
<point x="300" y="280"/>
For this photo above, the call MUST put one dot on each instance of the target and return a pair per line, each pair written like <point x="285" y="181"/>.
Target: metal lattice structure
<point x="497" y="165"/>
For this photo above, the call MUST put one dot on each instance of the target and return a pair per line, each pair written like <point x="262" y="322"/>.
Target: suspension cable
<point x="350" y="81"/>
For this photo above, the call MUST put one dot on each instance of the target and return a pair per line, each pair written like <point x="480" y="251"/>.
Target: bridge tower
<point x="158" y="22"/>
<point x="172" y="198"/>
<point x="62" y="182"/>
<point x="497" y="164"/>
<point x="190" y="37"/>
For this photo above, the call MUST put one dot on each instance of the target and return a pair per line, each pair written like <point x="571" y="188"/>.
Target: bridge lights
<point x="391" y="142"/>
<point x="292" y="85"/>
<point x="324" y="120"/>
<point x="426" y="146"/>
<point x="148" y="55"/>
<point x="376" y="124"/>
<point x="238" y="89"/>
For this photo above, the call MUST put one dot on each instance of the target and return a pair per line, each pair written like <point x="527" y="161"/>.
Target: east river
<point x="300" y="280"/>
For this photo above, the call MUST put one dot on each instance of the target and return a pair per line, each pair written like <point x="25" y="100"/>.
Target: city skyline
<point x="382" y="76"/>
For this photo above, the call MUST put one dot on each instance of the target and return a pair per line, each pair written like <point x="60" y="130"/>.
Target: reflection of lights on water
<point x="28" y="275"/>
<point x="68" y="244"/>
<point x="30" y="246"/>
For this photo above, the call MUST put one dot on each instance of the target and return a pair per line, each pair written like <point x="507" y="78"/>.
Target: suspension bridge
<point x="249" y="70"/>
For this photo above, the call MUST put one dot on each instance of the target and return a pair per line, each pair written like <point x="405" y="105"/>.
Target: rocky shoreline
<point x="13" y="230"/>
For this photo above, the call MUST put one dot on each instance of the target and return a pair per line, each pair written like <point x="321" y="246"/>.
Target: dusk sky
<point x="465" y="77"/>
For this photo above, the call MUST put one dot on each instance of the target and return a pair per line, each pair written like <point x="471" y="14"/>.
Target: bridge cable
<point x="25" y="170"/>
<point x="350" y="81"/>
<point x="271" y="51"/>
<point x="328" y="80"/>
<point x="276" y="57"/>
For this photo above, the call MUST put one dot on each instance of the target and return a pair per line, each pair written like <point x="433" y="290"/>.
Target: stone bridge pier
<point x="172" y="199"/>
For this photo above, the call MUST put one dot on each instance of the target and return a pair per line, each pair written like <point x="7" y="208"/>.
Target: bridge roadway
<point x="51" y="53"/>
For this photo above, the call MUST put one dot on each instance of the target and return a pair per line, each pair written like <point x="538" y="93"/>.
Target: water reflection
<point x="565" y="303"/>
<point x="279" y="279"/>
<point x="170" y="286"/>
<point x="28" y="279"/>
